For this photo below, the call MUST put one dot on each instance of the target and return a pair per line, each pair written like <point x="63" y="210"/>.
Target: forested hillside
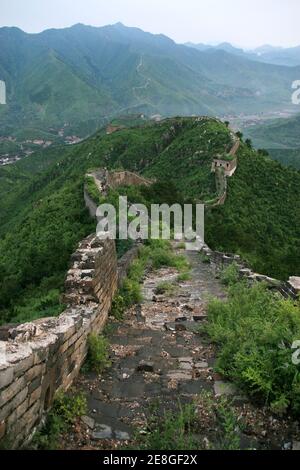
<point x="43" y="217"/>
<point x="78" y="78"/>
<point x="281" y="137"/>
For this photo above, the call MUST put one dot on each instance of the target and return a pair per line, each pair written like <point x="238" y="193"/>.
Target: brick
<point x="9" y="407"/>
<point x="23" y="366"/>
<point x="34" y="384"/>
<point x="9" y="392"/>
<point x="2" y="429"/>
<point x="35" y="396"/>
<point x="34" y="372"/>
<point x="6" y="377"/>
<point x="18" y="412"/>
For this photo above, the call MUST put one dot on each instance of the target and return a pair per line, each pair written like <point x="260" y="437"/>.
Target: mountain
<point x="276" y="133"/>
<point x="266" y="48"/>
<point x="279" y="56"/>
<point x="43" y="217"/>
<point x="289" y="57"/>
<point x="74" y="80"/>
<point x="224" y="46"/>
<point x="281" y="137"/>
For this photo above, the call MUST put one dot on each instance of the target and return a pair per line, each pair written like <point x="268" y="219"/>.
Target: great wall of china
<point x="40" y="358"/>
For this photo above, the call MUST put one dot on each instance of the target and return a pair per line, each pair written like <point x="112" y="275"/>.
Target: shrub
<point x="184" y="277"/>
<point x="184" y="429"/>
<point x="118" y="307"/>
<point x="181" y="246"/>
<point x="165" y="288"/>
<point x="154" y="254"/>
<point x="161" y="255"/>
<point x="98" y="353"/>
<point x="64" y="413"/>
<point x="131" y="292"/>
<point x="172" y="432"/>
<point x="228" y="438"/>
<point x="255" y="330"/>
<point x="92" y="189"/>
<point x="230" y="275"/>
<point x="204" y="258"/>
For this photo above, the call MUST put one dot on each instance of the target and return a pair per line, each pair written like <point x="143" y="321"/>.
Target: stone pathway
<point x="158" y="357"/>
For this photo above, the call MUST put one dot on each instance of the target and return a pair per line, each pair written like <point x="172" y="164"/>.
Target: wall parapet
<point x="220" y="260"/>
<point x="126" y="178"/>
<point x="42" y="357"/>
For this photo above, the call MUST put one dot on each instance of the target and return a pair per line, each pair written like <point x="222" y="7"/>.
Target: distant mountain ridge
<point x="83" y="76"/>
<point x="289" y="57"/>
<point x="281" y="137"/>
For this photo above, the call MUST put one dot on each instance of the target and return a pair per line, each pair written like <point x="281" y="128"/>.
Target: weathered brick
<point x="9" y="407"/>
<point x="34" y="372"/>
<point x="6" y="377"/>
<point x="9" y="392"/>
<point x="2" y="429"/>
<point x="18" y="412"/>
<point x="34" y="384"/>
<point x="58" y="354"/>
<point x="23" y="366"/>
<point x="34" y="396"/>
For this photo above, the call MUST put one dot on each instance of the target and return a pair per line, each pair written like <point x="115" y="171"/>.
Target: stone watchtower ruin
<point x="229" y="165"/>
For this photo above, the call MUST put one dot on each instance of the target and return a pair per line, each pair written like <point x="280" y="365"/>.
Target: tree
<point x="248" y="142"/>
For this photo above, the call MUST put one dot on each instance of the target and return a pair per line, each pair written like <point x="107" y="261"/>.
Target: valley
<point x="280" y="137"/>
<point x="122" y="343"/>
<point x="179" y="152"/>
<point x="62" y="79"/>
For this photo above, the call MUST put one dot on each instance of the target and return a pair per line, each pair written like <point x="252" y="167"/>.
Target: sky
<point x="247" y="23"/>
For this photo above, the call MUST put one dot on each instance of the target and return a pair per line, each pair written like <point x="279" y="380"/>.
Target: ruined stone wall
<point x="289" y="289"/>
<point x="122" y="178"/>
<point x="221" y="178"/>
<point x="40" y="358"/>
<point x="90" y="204"/>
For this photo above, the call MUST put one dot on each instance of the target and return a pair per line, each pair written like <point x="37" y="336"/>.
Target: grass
<point x="183" y="277"/>
<point x="205" y="423"/>
<point x="92" y="190"/>
<point x="204" y="258"/>
<point x="66" y="409"/>
<point x="172" y="431"/>
<point x="98" y="354"/>
<point x="155" y="254"/>
<point x="165" y="287"/>
<point x="230" y="275"/>
<point x="254" y="331"/>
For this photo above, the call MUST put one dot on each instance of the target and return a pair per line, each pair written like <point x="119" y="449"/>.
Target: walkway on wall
<point x="158" y="358"/>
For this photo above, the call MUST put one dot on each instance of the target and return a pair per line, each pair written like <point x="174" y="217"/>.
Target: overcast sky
<point x="247" y="23"/>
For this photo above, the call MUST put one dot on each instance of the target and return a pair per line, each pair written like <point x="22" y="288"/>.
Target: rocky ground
<point x="159" y="359"/>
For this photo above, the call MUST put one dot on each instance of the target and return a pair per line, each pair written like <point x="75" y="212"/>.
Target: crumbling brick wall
<point x="126" y="178"/>
<point x="40" y="358"/>
<point x="289" y="289"/>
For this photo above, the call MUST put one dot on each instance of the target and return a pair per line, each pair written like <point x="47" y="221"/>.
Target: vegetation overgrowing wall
<point x="289" y="289"/>
<point x="40" y="358"/>
<point x="126" y="178"/>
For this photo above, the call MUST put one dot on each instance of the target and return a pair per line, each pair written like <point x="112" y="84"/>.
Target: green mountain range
<point x="281" y="137"/>
<point x="268" y="54"/>
<point x="43" y="217"/>
<point x="83" y="76"/>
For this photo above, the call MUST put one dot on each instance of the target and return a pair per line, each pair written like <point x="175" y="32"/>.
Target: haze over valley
<point x="64" y="84"/>
<point x="149" y="229"/>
